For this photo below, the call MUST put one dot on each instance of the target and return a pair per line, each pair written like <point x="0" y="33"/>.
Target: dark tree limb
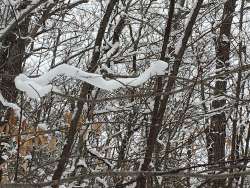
<point x="85" y="89"/>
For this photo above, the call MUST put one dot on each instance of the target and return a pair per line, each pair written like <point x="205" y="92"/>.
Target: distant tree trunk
<point x="217" y="129"/>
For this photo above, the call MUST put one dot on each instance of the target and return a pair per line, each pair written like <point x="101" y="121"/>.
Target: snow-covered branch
<point x="14" y="106"/>
<point x="20" y="17"/>
<point x="39" y="87"/>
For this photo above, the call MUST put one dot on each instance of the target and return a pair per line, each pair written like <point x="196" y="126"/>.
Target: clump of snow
<point x="82" y="162"/>
<point x="40" y="86"/>
<point x="32" y="89"/>
<point x="5" y="157"/>
<point x="225" y="38"/>
<point x="115" y="47"/>
<point x="28" y="157"/>
<point x="43" y="126"/>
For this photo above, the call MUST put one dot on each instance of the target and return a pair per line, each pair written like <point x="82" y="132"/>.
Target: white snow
<point x="5" y="157"/>
<point x="14" y="106"/>
<point x="102" y="181"/>
<point x="225" y="38"/>
<point x="82" y="162"/>
<point x="40" y="86"/>
<point x="31" y="88"/>
<point x="28" y="157"/>
<point x="43" y="126"/>
<point x="115" y="46"/>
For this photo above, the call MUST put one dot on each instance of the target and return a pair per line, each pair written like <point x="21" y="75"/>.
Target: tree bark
<point x="217" y="129"/>
<point x="11" y="61"/>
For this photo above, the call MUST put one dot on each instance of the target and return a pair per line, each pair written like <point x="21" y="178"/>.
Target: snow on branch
<point x="20" y="16"/>
<point x="14" y="106"/>
<point x="40" y="86"/>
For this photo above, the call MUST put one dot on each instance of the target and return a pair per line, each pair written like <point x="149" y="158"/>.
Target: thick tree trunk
<point x="11" y="60"/>
<point x="217" y="128"/>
